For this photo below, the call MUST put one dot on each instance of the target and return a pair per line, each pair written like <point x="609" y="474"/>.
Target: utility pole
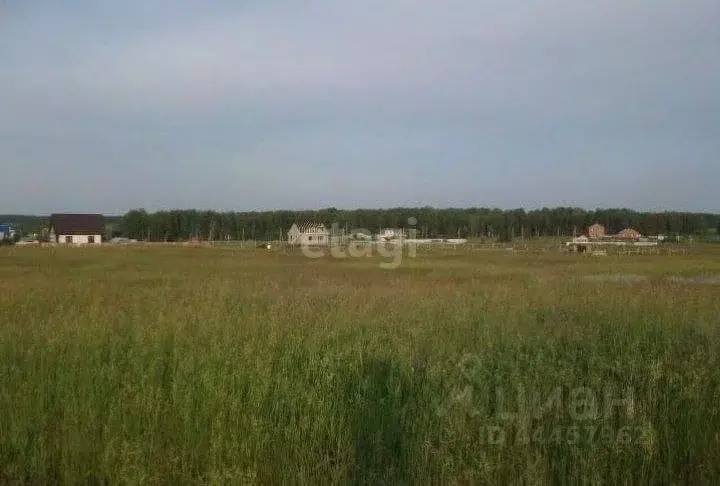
<point x="211" y="235"/>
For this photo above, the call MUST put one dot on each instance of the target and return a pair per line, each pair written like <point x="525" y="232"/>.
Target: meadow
<point x="162" y="364"/>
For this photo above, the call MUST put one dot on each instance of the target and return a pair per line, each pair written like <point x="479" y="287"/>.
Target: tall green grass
<point x="200" y="365"/>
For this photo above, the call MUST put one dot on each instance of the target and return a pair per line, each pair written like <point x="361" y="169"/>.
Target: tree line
<point x="183" y="225"/>
<point x="428" y="222"/>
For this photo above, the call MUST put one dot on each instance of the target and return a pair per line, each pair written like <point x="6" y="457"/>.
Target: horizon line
<point x="389" y="208"/>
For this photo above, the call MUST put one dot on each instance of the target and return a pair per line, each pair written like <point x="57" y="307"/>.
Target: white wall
<point x="295" y="237"/>
<point x="78" y="239"/>
<point x="309" y="239"/>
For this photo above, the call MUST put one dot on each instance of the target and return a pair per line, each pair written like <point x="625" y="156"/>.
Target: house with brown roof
<point x="629" y="234"/>
<point x="77" y="229"/>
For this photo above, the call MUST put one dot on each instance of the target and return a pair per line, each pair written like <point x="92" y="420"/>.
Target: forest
<point x="180" y="225"/>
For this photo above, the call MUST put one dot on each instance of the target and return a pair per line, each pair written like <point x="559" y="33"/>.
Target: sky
<point x="107" y="106"/>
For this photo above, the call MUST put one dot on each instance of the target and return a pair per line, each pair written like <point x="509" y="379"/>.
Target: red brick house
<point x="596" y="231"/>
<point x="629" y="234"/>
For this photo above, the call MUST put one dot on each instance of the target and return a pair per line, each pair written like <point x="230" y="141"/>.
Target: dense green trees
<point x="178" y="225"/>
<point x="429" y="222"/>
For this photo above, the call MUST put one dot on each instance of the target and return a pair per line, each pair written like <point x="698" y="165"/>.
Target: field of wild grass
<point x="220" y="365"/>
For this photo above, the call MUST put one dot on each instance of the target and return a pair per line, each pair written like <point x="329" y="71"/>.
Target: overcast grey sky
<point x="107" y="106"/>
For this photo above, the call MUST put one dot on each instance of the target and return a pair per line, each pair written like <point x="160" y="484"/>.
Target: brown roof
<point x="629" y="233"/>
<point x="78" y="224"/>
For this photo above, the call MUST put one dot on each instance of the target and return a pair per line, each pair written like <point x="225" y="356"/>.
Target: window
<point x="68" y="239"/>
<point x="91" y="239"/>
<point x="309" y="237"/>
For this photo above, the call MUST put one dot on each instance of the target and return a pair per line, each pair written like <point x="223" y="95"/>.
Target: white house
<point x="77" y="229"/>
<point x="388" y="234"/>
<point x="308" y="234"/>
<point x="361" y="234"/>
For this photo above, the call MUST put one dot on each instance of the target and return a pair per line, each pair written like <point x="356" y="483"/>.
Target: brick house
<point x="629" y="234"/>
<point x="596" y="231"/>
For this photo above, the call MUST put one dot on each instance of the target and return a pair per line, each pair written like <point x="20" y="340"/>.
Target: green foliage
<point x="39" y="225"/>
<point x="503" y="225"/>
<point x="226" y="366"/>
<point x="472" y="222"/>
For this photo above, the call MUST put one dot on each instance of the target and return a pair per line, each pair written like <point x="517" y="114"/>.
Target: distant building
<point x="596" y="231"/>
<point x="77" y="229"/>
<point x="629" y="234"/>
<point x="7" y="232"/>
<point x="122" y="241"/>
<point x="308" y="234"/>
<point x="388" y="234"/>
<point x="360" y="234"/>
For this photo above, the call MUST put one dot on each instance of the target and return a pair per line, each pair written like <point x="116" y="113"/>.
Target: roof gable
<point x="78" y="224"/>
<point x="310" y="228"/>
<point x="629" y="233"/>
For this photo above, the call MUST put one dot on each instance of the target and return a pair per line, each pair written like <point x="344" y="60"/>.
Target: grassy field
<point x="225" y="365"/>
